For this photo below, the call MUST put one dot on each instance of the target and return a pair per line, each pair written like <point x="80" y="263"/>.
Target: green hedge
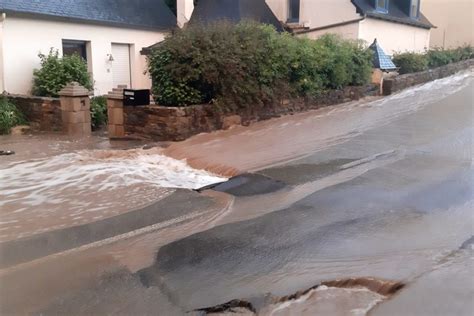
<point x="56" y="72"/>
<point x="10" y="116"/>
<point x="251" y="64"/>
<point x="414" y="62"/>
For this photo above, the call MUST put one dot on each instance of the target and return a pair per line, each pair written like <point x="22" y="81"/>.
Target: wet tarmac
<point x="384" y="198"/>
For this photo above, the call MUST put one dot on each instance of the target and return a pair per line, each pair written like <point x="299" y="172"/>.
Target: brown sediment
<point x="216" y="168"/>
<point x="231" y="306"/>
<point x="382" y="287"/>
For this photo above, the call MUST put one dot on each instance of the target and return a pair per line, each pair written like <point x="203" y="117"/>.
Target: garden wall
<point x="408" y="80"/>
<point x="43" y="114"/>
<point x="175" y="124"/>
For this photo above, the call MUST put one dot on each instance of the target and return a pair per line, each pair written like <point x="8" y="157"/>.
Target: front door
<point x="121" y="65"/>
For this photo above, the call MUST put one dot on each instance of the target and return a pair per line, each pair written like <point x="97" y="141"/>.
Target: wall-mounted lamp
<point x="110" y="57"/>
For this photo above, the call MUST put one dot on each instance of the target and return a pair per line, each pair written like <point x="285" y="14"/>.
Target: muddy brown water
<point x="373" y="190"/>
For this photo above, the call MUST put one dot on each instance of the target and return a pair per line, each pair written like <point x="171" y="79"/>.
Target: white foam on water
<point x="43" y="180"/>
<point x="76" y="188"/>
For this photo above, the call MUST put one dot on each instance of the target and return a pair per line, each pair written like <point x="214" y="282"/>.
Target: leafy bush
<point x="251" y="64"/>
<point x="343" y="62"/>
<point x="56" y="72"/>
<point x="410" y="62"/>
<point x="465" y="52"/>
<point x="440" y="57"/>
<point x="98" y="112"/>
<point x="10" y="116"/>
<point x="437" y="57"/>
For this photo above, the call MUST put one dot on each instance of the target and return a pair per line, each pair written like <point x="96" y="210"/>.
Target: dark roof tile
<point x="394" y="14"/>
<point x="147" y="14"/>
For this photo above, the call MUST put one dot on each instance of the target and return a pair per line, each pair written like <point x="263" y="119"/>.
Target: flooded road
<point x="376" y="194"/>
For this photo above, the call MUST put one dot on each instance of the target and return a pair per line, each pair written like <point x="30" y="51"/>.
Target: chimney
<point x="184" y="10"/>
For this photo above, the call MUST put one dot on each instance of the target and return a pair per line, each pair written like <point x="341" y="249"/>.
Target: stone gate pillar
<point x="75" y="110"/>
<point x="115" y="112"/>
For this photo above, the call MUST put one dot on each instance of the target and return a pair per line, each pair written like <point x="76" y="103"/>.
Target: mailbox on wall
<point x="132" y="97"/>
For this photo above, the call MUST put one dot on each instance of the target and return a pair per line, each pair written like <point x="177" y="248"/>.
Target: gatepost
<point x="115" y="112"/>
<point x="75" y="110"/>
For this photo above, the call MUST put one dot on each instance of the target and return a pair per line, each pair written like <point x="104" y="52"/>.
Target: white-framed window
<point x="382" y="6"/>
<point x="74" y="47"/>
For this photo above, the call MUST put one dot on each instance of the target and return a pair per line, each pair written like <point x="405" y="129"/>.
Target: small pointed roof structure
<point x="381" y="60"/>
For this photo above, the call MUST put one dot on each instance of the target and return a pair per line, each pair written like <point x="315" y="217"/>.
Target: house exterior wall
<point x="184" y="11"/>
<point x="326" y="12"/>
<point x="454" y="20"/>
<point x="317" y="13"/>
<point x="279" y="8"/>
<point x="24" y="38"/>
<point x="348" y="31"/>
<point x="394" y="37"/>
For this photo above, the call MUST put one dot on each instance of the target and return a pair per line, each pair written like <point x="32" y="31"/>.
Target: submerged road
<point x="388" y="200"/>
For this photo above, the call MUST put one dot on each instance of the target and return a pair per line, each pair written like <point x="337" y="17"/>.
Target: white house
<point x="399" y="25"/>
<point x="109" y="34"/>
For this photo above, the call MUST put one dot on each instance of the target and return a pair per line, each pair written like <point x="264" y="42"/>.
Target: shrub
<point x="250" y="64"/>
<point x="98" y="112"/>
<point x="10" y="116"/>
<point x="56" y="72"/>
<point x="410" y="62"/>
<point x="343" y="62"/>
<point x="465" y="52"/>
<point x="437" y="57"/>
<point x="440" y="57"/>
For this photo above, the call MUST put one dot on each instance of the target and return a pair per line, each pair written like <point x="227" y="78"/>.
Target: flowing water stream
<point x="377" y="190"/>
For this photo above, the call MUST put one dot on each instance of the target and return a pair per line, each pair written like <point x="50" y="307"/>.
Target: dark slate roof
<point x="207" y="11"/>
<point x="380" y="59"/>
<point x="395" y="13"/>
<point x="147" y="14"/>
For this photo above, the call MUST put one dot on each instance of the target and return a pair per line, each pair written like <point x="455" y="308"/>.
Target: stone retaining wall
<point x="178" y="123"/>
<point x="175" y="124"/>
<point x="44" y="114"/>
<point x="405" y="81"/>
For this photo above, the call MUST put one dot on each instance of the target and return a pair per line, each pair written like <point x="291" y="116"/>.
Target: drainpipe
<point x="3" y="87"/>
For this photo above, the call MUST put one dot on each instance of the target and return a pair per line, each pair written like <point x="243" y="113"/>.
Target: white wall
<point x="348" y="31"/>
<point x="279" y="8"/>
<point x="184" y="11"/>
<point x="394" y="37"/>
<point x="24" y="38"/>
<point x="454" y="20"/>
<point x="327" y="12"/>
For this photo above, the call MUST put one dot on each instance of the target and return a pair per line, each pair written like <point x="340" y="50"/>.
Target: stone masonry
<point x="75" y="110"/>
<point x="178" y="123"/>
<point x="115" y="112"/>
<point x="43" y="114"/>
